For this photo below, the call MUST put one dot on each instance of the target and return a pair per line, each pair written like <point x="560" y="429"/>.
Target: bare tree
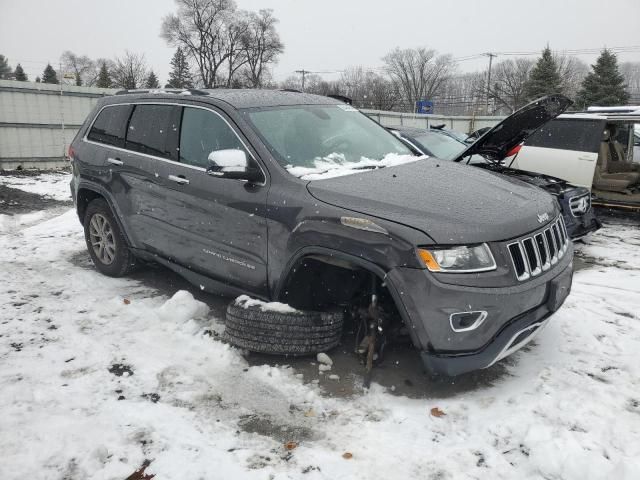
<point x="261" y="46"/>
<point x="368" y="89"/>
<point x="234" y="34"/>
<point x="572" y="71"/>
<point x="129" y="71"/>
<point x="81" y="66"/>
<point x="462" y="94"/>
<point x="419" y="72"/>
<point x="352" y="82"/>
<point x="200" y="28"/>
<point x="510" y="79"/>
<point x="631" y="73"/>
<point x="380" y="92"/>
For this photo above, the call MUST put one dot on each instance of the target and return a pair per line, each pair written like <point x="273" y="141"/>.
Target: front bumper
<point x="578" y="227"/>
<point x="514" y="315"/>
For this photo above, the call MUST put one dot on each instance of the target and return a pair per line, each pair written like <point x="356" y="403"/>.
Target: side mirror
<point x="233" y="164"/>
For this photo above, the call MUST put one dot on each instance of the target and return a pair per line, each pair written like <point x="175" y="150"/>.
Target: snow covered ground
<point x="98" y="375"/>
<point x="51" y="185"/>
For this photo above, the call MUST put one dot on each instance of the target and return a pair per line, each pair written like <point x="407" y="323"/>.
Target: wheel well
<point x="322" y="281"/>
<point x="85" y="197"/>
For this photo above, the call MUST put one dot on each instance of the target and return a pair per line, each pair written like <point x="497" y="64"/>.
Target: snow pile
<point x="324" y="358"/>
<point x="182" y="307"/>
<point x="245" y="301"/>
<point x="91" y="385"/>
<point x="335" y="165"/>
<point x="51" y="185"/>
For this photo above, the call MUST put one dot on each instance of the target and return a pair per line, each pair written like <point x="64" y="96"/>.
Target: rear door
<point x="151" y="142"/>
<point x="215" y="226"/>
<point x="122" y="174"/>
<point x="564" y="148"/>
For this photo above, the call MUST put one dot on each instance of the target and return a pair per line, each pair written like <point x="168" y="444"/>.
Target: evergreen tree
<point x="49" y="75"/>
<point x="604" y="85"/>
<point x="544" y="77"/>
<point x="152" y="81"/>
<point x="18" y="74"/>
<point x="104" y="77"/>
<point x="5" y="69"/>
<point x="180" y="76"/>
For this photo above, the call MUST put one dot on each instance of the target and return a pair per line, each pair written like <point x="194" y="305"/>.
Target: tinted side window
<point x="578" y="135"/>
<point x="151" y="128"/>
<point x="203" y="132"/>
<point x="111" y="125"/>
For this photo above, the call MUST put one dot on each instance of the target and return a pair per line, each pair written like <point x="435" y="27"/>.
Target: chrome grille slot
<point x="533" y="257"/>
<point x="552" y="246"/>
<point x="536" y="254"/>
<point x="543" y="250"/>
<point x="517" y="255"/>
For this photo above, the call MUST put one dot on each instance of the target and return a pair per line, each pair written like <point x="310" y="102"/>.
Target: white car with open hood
<point x="593" y="149"/>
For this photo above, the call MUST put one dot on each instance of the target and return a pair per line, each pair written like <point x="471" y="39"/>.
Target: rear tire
<point x="282" y="333"/>
<point x="105" y="242"/>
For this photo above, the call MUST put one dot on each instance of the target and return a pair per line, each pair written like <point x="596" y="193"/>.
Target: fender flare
<point x="104" y="193"/>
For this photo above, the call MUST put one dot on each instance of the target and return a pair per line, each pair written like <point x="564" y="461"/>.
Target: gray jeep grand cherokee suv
<point x="302" y="199"/>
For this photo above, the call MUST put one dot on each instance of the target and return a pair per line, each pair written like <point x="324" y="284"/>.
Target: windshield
<point x="440" y="145"/>
<point x="326" y="139"/>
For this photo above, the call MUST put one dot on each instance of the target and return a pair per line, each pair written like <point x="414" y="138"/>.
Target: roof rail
<point x="175" y="91"/>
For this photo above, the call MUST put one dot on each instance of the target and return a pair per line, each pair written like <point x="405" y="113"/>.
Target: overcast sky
<point x="325" y="35"/>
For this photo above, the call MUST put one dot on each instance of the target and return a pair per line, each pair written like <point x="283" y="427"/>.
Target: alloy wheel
<point x="102" y="239"/>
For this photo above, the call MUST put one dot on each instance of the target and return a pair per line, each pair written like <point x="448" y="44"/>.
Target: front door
<point x="211" y="225"/>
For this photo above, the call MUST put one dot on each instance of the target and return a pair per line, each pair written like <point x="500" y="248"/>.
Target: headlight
<point x="462" y="259"/>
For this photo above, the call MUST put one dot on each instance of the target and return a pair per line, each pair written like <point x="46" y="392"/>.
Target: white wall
<point x="38" y="121"/>
<point x="465" y="124"/>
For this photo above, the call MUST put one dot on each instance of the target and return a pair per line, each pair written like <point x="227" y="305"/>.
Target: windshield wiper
<point x="368" y="167"/>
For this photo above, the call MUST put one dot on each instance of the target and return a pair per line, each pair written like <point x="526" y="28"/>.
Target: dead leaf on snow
<point x="436" y="412"/>
<point x="127" y="301"/>
<point x="347" y="455"/>
<point x="310" y="413"/>
<point x="290" y="445"/>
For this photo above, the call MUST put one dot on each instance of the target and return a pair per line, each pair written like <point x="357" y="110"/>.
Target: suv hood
<point x="452" y="203"/>
<point x="514" y="129"/>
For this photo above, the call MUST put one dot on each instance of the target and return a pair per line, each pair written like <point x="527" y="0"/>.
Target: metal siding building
<point x="39" y="120"/>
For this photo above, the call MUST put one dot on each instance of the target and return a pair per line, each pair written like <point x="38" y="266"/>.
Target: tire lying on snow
<point x="284" y="332"/>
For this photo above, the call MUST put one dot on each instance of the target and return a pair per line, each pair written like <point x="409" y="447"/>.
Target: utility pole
<point x="490" y="55"/>
<point x="304" y="73"/>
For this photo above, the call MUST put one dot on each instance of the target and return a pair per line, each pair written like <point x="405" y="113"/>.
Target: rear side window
<point x="151" y="130"/>
<point x="203" y="132"/>
<point x="111" y="125"/>
<point x="578" y="135"/>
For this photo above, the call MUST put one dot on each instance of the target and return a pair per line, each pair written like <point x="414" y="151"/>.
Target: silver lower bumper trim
<point x="509" y="348"/>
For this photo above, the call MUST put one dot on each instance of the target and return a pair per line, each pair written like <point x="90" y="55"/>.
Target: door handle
<point x="586" y="159"/>
<point x="179" y="179"/>
<point x="115" y="161"/>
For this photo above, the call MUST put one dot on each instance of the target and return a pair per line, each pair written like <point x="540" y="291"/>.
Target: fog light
<point x="466" y="321"/>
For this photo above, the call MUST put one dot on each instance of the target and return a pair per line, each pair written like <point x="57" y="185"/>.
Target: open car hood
<point x="513" y="130"/>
